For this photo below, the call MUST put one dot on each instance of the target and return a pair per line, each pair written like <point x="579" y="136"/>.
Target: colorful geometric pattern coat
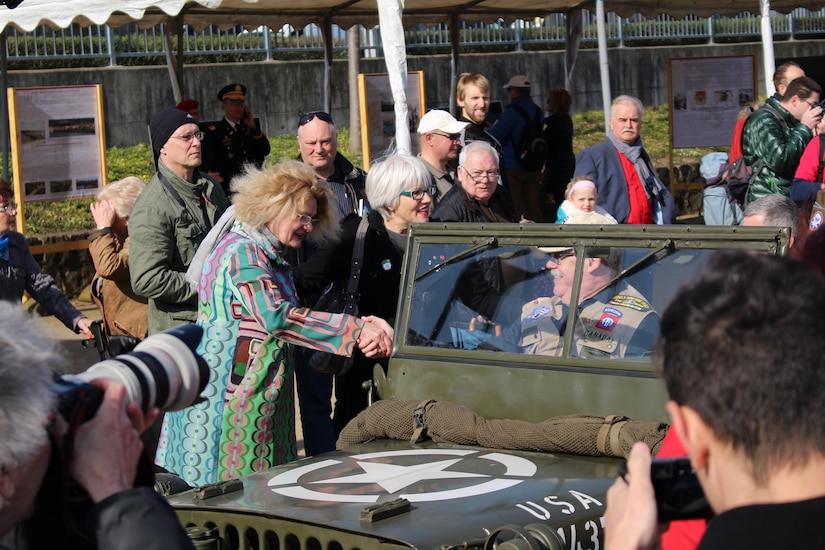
<point x="250" y="313"/>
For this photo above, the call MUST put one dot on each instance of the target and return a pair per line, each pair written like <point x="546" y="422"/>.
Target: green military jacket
<point x="165" y="232"/>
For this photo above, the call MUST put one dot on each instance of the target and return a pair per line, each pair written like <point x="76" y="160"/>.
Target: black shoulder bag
<point x="336" y="299"/>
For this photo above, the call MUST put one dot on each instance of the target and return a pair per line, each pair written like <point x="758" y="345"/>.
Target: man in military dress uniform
<point x="233" y="141"/>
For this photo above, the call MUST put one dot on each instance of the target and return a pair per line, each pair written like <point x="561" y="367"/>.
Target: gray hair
<point x="628" y="100"/>
<point x="122" y="194"/>
<point x="26" y="398"/>
<point x="776" y="210"/>
<point x="391" y="175"/>
<point x="476" y="147"/>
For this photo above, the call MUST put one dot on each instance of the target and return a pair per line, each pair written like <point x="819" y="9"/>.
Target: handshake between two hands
<point x="375" y="340"/>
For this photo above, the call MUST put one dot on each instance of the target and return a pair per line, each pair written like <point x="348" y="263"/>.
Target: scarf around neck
<point x="653" y="185"/>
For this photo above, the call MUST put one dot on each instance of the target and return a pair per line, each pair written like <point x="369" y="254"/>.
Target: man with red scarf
<point x="628" y="186"/>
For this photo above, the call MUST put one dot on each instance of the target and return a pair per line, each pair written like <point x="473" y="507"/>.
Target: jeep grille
<point x="248" y="532"/>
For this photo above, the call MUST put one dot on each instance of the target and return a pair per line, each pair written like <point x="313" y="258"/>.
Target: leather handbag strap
<point x="357" y="258"/>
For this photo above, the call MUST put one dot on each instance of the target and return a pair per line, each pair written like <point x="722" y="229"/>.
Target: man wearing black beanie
<point x="170" y="219"/>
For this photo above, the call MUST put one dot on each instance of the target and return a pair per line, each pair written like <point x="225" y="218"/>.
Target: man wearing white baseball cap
<point x="440" y="138"/>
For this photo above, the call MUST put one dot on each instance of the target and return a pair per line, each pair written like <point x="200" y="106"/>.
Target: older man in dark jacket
<point x="628" y="187"/>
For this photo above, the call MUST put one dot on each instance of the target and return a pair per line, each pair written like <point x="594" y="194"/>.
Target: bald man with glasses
<point x="318" y="143"/>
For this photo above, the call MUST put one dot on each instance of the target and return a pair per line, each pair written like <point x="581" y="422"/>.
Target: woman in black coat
<point x="561" y="161"/>
<point x="399" y="193"/>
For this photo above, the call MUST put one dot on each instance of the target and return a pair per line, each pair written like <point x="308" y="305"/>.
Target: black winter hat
<point x="164" y="124"/>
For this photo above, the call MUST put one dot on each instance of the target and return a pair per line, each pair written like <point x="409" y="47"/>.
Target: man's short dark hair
<point x="741" y="345"/>
<point x="802" y="87"/>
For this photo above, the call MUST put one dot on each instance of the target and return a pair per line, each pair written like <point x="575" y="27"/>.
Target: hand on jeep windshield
<point x="107" y="447"/>
<point x="630" y="520"/>
<point x="375" y="340"/>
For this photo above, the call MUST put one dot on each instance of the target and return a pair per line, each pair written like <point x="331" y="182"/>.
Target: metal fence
<point x="104" y="44"/>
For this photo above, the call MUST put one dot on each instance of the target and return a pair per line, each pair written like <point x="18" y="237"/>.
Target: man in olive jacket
<point x="170" y="219"/>
<point x="777" y="134"/>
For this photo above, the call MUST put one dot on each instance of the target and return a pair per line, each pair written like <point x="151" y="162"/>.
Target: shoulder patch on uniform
<point x="536" y="313"/>
<point x="631" y="302"/>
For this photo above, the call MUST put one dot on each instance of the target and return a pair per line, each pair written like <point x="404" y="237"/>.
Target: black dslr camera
<point x="162" y="371"/>
<point x="678" y="493"/>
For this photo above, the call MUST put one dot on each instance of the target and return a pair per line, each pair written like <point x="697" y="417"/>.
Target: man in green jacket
<point x="778" y="133"/>
<point x="170" y="219"/>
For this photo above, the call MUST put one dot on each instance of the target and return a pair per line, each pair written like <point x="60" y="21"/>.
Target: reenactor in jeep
<point x="615" y="319"/>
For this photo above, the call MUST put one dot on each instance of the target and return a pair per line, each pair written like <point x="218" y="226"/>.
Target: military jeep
<point x="478" y="438"/>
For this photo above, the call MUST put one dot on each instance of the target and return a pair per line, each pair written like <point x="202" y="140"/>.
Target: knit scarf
<point x="653" y="185"/>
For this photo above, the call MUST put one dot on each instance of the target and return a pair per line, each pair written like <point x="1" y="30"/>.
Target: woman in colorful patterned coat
<point x="250" y="313"/>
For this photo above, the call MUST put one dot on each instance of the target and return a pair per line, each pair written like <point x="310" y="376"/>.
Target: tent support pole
<point x="328" y="49"/>
<point x="455" y="39"/>
<point x="171" y="62"/>
<point x="604" y="70"/>
<point x="768" y="59"/>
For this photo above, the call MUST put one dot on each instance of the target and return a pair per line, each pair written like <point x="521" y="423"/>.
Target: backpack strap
<point x="759" y="164"/>
<point x="526" y="117"/>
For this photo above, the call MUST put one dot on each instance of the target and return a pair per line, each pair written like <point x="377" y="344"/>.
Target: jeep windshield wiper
<point x="478" y="247"/>
<point x="668" y="246"/>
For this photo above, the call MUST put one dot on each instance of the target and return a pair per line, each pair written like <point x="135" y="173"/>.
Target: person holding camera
<point x="778" y="133"/>
<point x="37" y="448"/>
<point x="233" y="141"/>
<point x="740" y="360"/>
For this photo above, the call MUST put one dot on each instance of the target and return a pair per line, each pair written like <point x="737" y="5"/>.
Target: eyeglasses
<point x="189" y="137"/>
<point x="235" y="102"/>
<point x="307" y="220"/>
<point x="811" y="105"/>
<point x="418" y="194"/>
<point x="320" y="115"/>
<point x="492" y="175"/>
<point x="10" y="206"/>
<point x="451" y="137"/>
<point x="559" y="256"/>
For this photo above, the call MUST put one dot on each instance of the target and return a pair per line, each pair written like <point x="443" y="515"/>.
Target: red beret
<point x="187" y="105"/>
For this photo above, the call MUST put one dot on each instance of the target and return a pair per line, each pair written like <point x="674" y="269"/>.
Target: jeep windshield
<point x="500" y="296"/>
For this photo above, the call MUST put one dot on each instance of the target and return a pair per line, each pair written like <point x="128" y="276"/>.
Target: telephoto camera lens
<point x="162" y="371"/>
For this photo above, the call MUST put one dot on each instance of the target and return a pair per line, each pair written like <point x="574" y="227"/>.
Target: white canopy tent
<point x="391" y="14"/>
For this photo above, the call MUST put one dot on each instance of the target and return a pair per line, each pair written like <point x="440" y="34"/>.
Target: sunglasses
<point x="320" y="115"/>
<point x="559" y="256"/>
